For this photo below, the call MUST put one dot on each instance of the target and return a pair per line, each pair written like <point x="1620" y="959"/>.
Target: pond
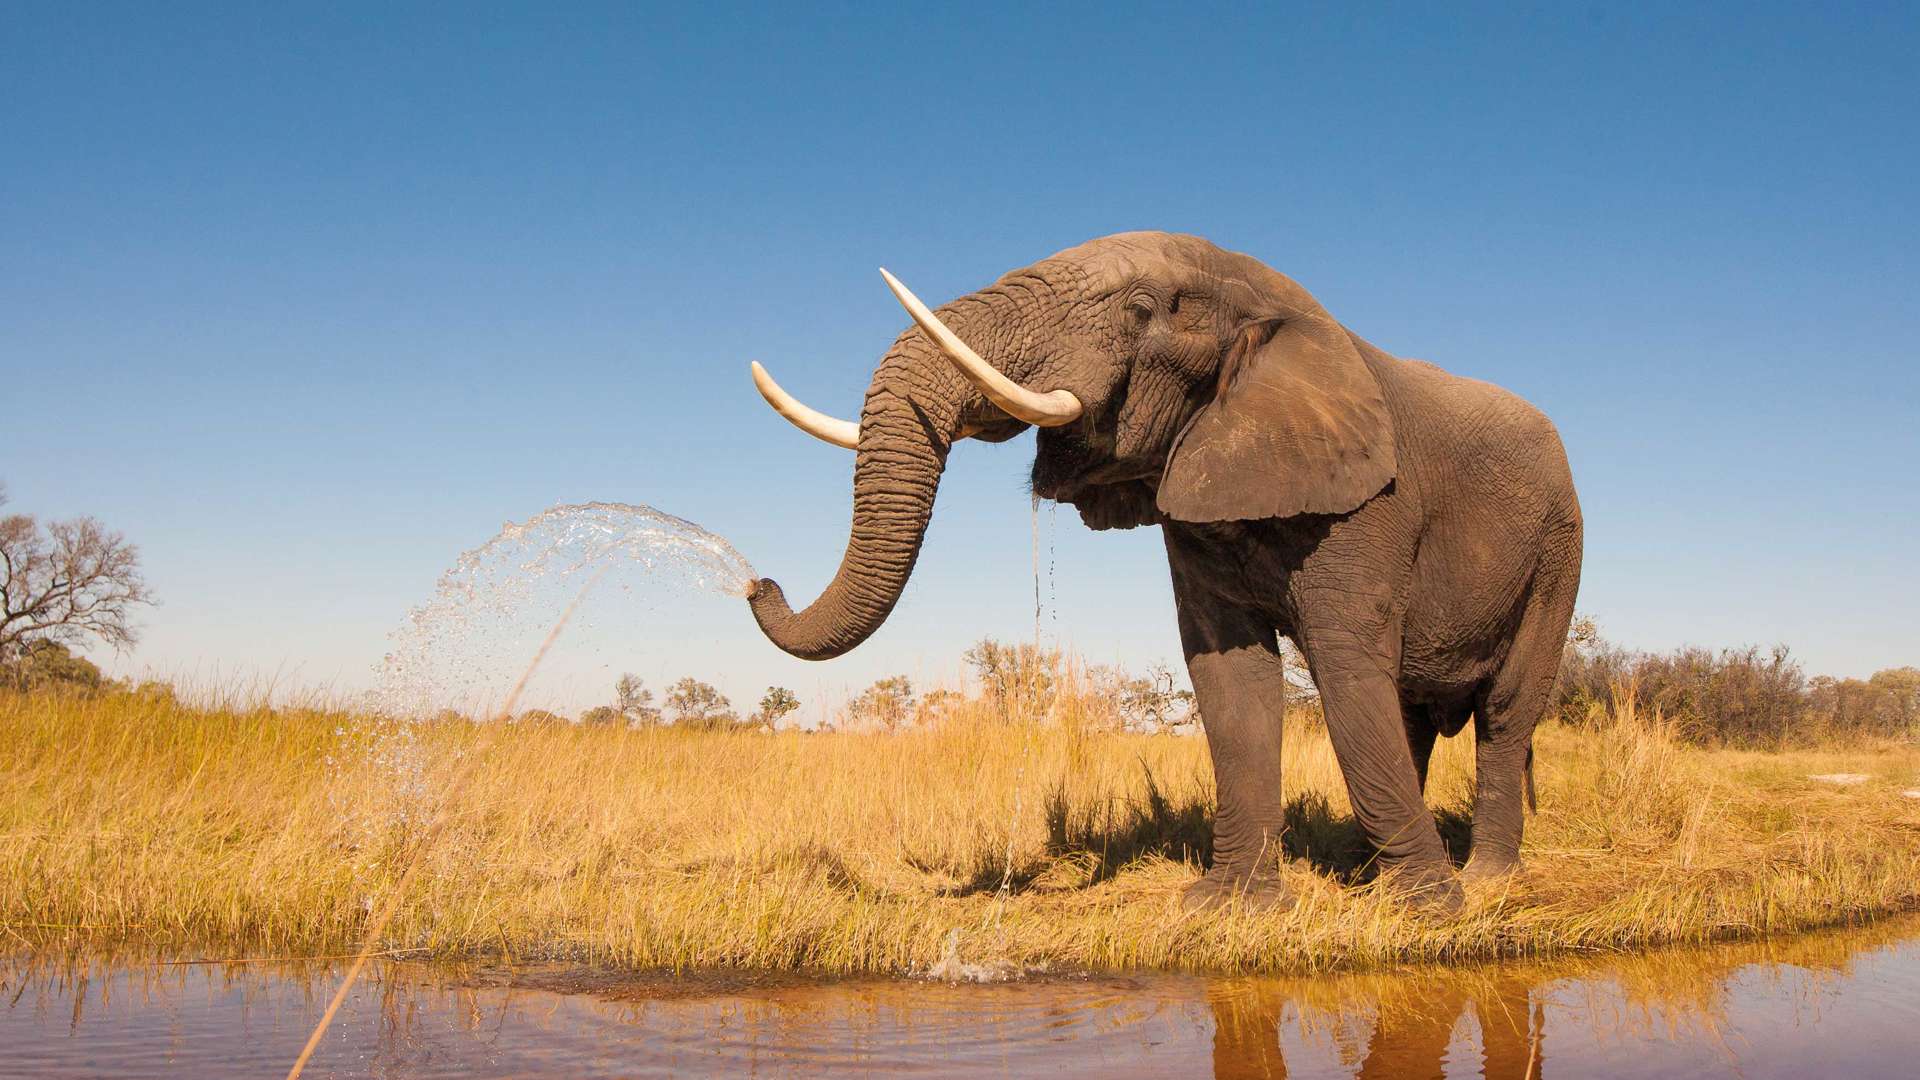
<point x="1838" y="1003"/>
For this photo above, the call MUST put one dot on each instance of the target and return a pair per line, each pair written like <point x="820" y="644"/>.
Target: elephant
<point x="1414" y="533"/>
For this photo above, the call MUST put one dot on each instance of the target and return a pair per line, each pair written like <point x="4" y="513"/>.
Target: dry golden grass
<point x="246" y="830"/>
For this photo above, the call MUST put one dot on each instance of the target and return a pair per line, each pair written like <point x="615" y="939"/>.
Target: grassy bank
<point x="276" y="833"/>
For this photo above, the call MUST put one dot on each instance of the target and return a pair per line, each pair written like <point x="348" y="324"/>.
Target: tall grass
<point x="995" y="837"/>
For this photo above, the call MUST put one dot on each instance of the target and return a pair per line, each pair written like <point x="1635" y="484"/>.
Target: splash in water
<point x="467" y="647"/>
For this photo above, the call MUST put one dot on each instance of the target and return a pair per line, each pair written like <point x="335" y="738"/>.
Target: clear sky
<point x="306" y="304"/>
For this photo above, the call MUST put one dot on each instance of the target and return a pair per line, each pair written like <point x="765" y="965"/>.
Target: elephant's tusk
<point x="1050" y="409"/>
<point x="815" y="423"/>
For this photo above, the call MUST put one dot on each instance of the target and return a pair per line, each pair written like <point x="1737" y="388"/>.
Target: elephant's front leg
<point x="1234" y="662"/>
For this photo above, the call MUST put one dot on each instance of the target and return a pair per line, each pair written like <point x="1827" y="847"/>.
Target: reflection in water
<point x="1844" y="1004"/>
<point x="1412" y="1029"/>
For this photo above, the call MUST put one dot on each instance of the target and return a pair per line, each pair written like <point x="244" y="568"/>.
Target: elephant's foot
<point x="1262" y="891"/>
<point x="1483" y="868"/>
<point x="1429" y="887"/>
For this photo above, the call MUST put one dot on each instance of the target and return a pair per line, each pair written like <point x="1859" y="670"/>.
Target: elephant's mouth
<point x="1071" y="485"/>
<point x="1071" y="461"/>
<point x="1108" y="475"/>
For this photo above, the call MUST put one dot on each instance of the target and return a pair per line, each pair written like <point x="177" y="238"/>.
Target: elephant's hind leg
<point x="1512" y="704"/>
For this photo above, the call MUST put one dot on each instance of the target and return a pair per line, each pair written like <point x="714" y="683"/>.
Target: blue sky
<point x="306" y="304"/>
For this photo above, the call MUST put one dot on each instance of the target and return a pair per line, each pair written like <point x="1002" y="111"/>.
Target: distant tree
<point x="1155" y="702"/>
<point x="1015" y="677"/>
<point x="776" y="703"/>
<point x="1900" y="688"/>
<point x="635" y="701"/>
<point x="1888" y="704"/>
<point x="43" y="664"/>
<point x="887" y="703"/>
<point x="694" y="704"/>
<point x="540" y="716"/>
<point x="65" y="583"/>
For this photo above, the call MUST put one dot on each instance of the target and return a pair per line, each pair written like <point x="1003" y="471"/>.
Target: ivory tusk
<point x="815" y="423"/>
<point x="1050" y="409"/>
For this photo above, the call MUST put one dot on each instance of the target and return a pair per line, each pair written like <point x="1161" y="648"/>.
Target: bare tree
<point x="66" y="582"/>
<point x="1154" y="702"/>
<point x="635" y="701"/>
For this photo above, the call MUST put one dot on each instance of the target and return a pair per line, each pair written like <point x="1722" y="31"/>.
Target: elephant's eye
<point x="1139" y="310"/>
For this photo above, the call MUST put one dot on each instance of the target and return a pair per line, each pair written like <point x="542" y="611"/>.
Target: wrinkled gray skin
<point x="1415" y="533"/>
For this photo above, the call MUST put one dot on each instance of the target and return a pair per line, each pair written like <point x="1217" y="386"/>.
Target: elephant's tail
<point x="1533" y="804"/>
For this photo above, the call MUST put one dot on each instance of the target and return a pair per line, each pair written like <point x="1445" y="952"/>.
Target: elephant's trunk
<point x="909" y="421"/>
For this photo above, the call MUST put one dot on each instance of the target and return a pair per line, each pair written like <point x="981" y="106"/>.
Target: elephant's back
<point x="1467" y="441"/>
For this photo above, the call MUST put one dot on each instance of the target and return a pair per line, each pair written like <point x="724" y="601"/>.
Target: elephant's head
<point x="1170" y="380"/>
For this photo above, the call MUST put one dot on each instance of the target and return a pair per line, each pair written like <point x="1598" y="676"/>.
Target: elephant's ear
<point x="1297" y="426"/>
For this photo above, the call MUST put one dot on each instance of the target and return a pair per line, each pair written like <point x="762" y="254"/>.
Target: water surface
<point x="1830" y="1004"/>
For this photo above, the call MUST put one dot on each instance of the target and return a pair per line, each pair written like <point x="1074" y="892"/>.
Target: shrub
<point x="44" y="664"/>
<point x="603" y="715"/>
<point x="1746" y="697"/>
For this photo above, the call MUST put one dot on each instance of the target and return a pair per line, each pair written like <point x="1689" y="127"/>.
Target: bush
<point x="44" y="664"/>
<point x="603" y="716"/>
<point x="1746" y="697"/>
